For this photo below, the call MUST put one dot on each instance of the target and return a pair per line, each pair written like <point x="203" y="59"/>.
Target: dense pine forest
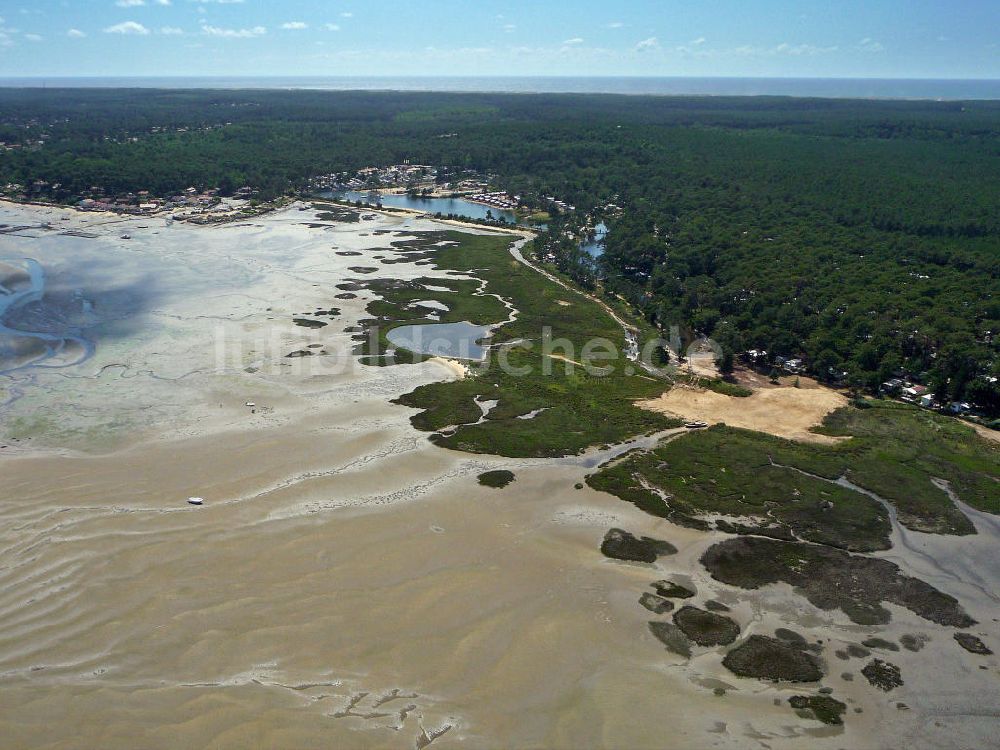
<point x="862" y="236"/>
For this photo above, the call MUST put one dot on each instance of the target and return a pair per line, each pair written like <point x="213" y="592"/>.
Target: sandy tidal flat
<point x="346" y="584"/>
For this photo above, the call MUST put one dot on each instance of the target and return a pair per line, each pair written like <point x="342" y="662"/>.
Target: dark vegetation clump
<point x="656" y="604"/>
<point x="856" y="651"/>
<point x="881" y="643"/>
<point x="333" y="212"/>
<point x="621" y="545"/>
<point x="672" y="637"/>
<point x="973" y="644"/>
<point x="770" y="659"/>
<point x="790" y="636"/>
<point x="497" y="479"/>
<point x="913" y="642"/>
<point x="882" y="674"/>
<point x="706" y="628"/>
<point x="831" y="578"/>
<point x="673" y="590"/>
<point x="822" y="707"/>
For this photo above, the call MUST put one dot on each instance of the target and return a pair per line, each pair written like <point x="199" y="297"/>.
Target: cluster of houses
<point x="4" y="146"/>
<point x="411" y="177"/>
<point x="759" y="358"/>
<point x="190" y="201"/>
<point x="915" y="393"/>
<point x="563" y="206"/>
<point x="405" y="175"/>
<point x="791" y="365"/>
<point x="429" y="181"/>
<point x="31" y="191"/>
<point x="500" y="200"/>
<point x="905" y="390"/>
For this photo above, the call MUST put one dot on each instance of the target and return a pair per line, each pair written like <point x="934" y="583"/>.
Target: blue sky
<point x="875" y="38"/>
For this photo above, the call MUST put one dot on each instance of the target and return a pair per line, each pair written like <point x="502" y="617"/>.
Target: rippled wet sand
<point x="309" y="615"/>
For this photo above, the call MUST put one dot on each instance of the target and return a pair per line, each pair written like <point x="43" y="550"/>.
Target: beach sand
<point x="347" y="584"/>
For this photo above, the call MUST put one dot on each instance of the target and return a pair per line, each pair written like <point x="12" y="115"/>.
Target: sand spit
<point x="346" y="583"/>
<point x="456" y="368"/>
<point x="785" y="411"/>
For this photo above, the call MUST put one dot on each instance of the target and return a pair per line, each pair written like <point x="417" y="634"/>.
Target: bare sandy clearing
<point x="785" y="412"/>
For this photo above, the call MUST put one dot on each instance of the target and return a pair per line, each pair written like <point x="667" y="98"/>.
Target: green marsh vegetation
<point x="758" y="480"/>
<point x="571" y="407"/>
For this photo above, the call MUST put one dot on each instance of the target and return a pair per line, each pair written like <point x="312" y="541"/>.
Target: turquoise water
<point x="456" y="206"/>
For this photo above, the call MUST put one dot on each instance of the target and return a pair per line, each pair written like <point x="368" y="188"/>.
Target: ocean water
<point x="839" y="88"/>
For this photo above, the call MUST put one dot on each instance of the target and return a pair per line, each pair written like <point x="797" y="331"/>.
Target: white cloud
<point x="616" y="25"/>
<point x="332" y="27"/>
<point x="75" y="34"/>
<point x="510" y="28"/>
<point x="130" y="3"/>
<point x="347" y="14"/>
<point x="651" y="43"/>
<point x="870" y="45"/>
<point x="295" y="25"/>
<point x="794" y="50"/>
<point x="234" y="33"/>
<point x="127" y="27"/>
<point x="33" y="37"/>
<point x="806" y="49"/>
<point x="171" y="31"/>
<point x="574" y="40"/>
<point x="219" y="2"/>
<point x="699" y="40"/>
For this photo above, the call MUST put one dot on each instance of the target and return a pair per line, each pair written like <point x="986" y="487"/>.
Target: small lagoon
<point x="452" y="340"/>
<point x="595" y="247"/>
<point x="444" y="206"/>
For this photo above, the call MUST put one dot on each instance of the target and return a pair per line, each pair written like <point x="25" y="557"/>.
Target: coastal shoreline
<point x="343" y="568"/>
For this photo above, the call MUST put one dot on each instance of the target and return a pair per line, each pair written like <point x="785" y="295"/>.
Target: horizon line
<point x="421" y="76"/>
